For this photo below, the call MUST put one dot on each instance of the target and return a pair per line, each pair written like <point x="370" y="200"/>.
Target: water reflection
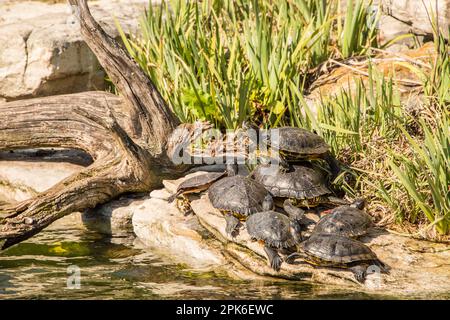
<point x="111" y="268"/>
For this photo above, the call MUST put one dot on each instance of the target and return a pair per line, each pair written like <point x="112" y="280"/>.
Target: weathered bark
<point x="130" y="139"/>
<point x="152" y="120"/>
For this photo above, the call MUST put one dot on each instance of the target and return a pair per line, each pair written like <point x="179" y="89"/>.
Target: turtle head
<point x="268" y="202"/>
<point x="359" y="203"/>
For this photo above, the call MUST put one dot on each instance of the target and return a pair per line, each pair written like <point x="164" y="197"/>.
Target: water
<point x="112" y="268"/>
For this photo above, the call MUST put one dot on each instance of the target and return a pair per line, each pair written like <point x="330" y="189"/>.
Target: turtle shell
<point x="237" y="194"/>
<point x="333" y="249"/>
<point x="271" y="227"/>
<point x="297" y="141"/>
<point x="200" y="182"/>
<point x="300" y="183"/>
<point x="345" y="221"/>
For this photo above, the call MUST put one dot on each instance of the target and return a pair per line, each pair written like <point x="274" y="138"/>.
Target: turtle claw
<point x="275" y="260"/>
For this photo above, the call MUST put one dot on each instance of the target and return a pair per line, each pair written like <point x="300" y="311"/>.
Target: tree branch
<point x="152" y="119"/>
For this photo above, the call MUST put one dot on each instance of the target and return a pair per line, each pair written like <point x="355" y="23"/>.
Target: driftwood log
<point x="130" y="138"/>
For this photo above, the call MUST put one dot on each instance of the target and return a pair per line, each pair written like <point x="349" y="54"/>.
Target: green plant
<point x="357" y="32"/>
<point x="353" y="117"/>
<point x="426" y="174"/>
<point x="228" y="61"/>
<point x="367" y="127"/>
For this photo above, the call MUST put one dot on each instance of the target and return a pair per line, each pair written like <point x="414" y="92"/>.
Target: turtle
<point x="278" y="232"/>
<point x="198" y="184"/>
<point x="237" y="197"/>
<point x="301" y="186"/>
<point x="297" y="144"/>
<point x="350" y="221"/>
<point x="333" y="250"/>
<point x="194" y="184"/>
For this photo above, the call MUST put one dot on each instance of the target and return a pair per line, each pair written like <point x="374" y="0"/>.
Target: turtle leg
<point x="360" y="272"/>
<point x="184" y="206"/>
<point x="286" y="253"/>
<point x="232" y="225"/>
<point x="284" y="165"/>
<point x="294" y="213"/>
<point x="232" y="169"/>
<point x="275" y="260"/>
<point x="268" y="203"/>
<point x="173" y="196"/>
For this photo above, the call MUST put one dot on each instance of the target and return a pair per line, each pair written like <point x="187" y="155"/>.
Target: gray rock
<point x="162" y="194"/>
<point x="163" y="228"/>
<point x="24" y="175"/>
<point x="415" y="14"/>
<point x="21" y="180"/>
<point x="113" y="218"/>
<point x="42" y="52"/>
<point x="409" y="16"/>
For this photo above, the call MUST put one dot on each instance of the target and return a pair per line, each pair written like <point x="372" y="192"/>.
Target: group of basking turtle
<point x="271" y="202"/>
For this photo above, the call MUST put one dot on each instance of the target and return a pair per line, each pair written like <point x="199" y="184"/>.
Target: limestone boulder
<point x="23" y="177"/>
<point x="416" y="14"/>
<point x="408" y="16"/>
<point x="163" y="228"/>
<point x="112" y="218"/>
<point x="42" y="52"/>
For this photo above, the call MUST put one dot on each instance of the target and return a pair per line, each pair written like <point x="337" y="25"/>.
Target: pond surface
<point x="112" y="268"/>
